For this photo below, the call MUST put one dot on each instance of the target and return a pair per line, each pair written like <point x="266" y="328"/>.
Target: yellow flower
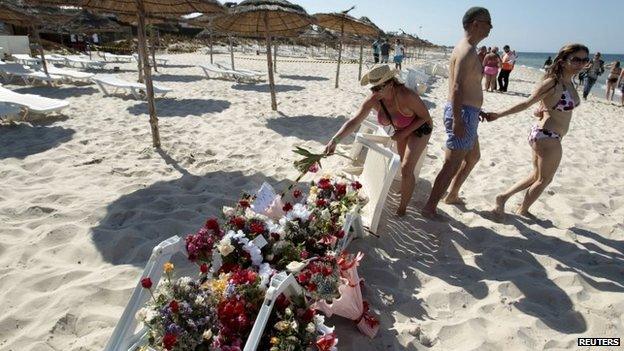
<point x="274" y="340"/>
<point x="218" y="285"/>
<point x="168" y="267"/>
<point x="314" y="190"/>
<point x="282" y="325"/>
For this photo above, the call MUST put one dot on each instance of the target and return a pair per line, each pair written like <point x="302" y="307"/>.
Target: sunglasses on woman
<point x="378" y="88"/>
<point x="577" y="60"/>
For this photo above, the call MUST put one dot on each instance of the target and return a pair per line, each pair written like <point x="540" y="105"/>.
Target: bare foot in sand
<point x="401" y="211"/>
<point x="499" y="210"/>
<point x="524" y="213"/>
<point x="454" y="200"/>
<point x="428" y="212"/>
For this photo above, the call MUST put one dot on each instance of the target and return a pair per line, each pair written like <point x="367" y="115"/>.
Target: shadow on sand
<point x="182" y="107"/>
<point x="264" y="88"/>
<point x="22" y="140"/>
<point x="306" y="127"/>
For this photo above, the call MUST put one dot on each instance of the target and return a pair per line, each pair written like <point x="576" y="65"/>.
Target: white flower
<point x="228" y="211"/>
<point x="325" y="214"/>
<point x="295" y="267"/>
<point x="184" y="283"/>
<point x="200" y="299"/>
<point x="141" y="314"/>
<point x="265" y="271"/>
<point x="254" y="252"/>
<point x="310" y="328"/>
<point x="299" y="211"/>
<point x="294" y="325"/>
<point x="225" y="246"/>
<point x="288" y="311"/>
<point x="207" y="334"/>
<point x="150" y="316"/>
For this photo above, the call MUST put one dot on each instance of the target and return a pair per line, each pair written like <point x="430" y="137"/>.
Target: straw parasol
<point x="257" y="18"/>
<point x="10" y="13"/>
<point x="345" y="24"/>
<point x="143" y="9"/>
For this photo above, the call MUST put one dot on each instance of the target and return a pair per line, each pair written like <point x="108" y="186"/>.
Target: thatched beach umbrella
<point x="9" y="13"/>
<point x="345" y="24"/>
<point x="143" y="9"/>
<point x="264" y="18"/>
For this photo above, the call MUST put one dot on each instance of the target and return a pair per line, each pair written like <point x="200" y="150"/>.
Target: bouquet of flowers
<point x="320" y="277"/>
<point x="179" y="315"/>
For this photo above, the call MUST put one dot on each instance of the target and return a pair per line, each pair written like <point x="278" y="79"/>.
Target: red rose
<point x="203" y="268"/>
<point x="340" y="234"/>
<point x="212" y="224"/>
<point x="324" y="184"/>
<point x="174" y="306"/>
<point x="327" y="271"/>
<point x="146" y="283"/>
<point x="304" y="255"/>
<point x="243" y="203"/>
<point x="275" y="236"/>
<point x="311" y="287"/>
<point x="169" y="341"/>
<point x="287" y="207"/>
<point x="256" y="228"/>
<point x="356" y="185"/>
<point x="306" y="315"/>
<point x="297" y="193"/>
<point x="303" y="278"/>
<point x="282" y="302"/>
<point x="320" y="203"/>
<point x="341" y="190"/>
<point x="238" y="222"/>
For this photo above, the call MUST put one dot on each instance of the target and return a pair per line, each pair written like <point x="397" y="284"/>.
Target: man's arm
<point x="457" y="98"/>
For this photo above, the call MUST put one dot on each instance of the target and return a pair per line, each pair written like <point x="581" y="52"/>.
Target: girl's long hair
<point x="555" y="70"/>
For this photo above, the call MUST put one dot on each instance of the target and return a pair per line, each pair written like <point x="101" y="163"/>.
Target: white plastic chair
<point x="211" y="70"/>
<point x="69" y="74"/>
<point x="108" y="57"/>
<point x="161" y="61"/>
<point x="124" y="336"/>
<point x="105" y="81"/>
<point x="26" y="59"/>
<point x="82" y="61"/>
<point x="10" y="70"/>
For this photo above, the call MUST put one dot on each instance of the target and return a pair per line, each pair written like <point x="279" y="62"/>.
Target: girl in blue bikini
<point x="558" y="98"/>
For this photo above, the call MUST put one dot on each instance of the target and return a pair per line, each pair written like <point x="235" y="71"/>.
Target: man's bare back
<point x="470" y="87"/>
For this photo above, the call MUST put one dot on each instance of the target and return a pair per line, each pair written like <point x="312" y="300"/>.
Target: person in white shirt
<point x="399" y="53"/>
<point x="507" y="65"/>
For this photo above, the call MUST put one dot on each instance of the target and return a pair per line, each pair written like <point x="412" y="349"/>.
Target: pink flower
<point x="313" y="168"/>
<point x="212" y="224"/>
<point x="326" y="342"/>
<point x="203" y="268"/>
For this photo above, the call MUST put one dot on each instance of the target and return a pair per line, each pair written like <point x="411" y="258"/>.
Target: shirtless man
<point x="461" y="113"/>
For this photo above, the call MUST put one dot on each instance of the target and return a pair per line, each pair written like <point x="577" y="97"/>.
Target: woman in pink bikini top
<point x="400" y="107"/>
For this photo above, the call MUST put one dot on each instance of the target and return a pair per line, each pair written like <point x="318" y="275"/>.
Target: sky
<point x="526" y="25"/>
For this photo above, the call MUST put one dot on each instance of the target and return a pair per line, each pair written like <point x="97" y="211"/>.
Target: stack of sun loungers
<point x="242" y="76"/>
<point x="8" y="71"/>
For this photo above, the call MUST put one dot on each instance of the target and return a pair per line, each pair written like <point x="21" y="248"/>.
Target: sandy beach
<point x="84" y="198"/>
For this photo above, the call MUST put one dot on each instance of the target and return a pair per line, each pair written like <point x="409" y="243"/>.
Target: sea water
<point x="535" y="60"/>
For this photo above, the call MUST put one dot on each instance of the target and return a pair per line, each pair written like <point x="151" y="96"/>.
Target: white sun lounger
<point x="108" y="57"/>
<point x="31" y="103"/>
<point x="69" y="74"/>
<point x="212" y="70"/>
<point x="26" y="59"/>
<point x="256" y="74"/>
<point x="10" y="70"/>
<point x="380" y="168"/>
<point x="159" y="60"/>
<point x="81" y="61"/>
<point x="106" y="81"/>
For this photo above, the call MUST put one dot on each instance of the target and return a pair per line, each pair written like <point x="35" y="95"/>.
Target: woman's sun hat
<point x="379" y="75"/>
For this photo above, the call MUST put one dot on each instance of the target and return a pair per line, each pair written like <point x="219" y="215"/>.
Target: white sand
<point x="84" y="199"/>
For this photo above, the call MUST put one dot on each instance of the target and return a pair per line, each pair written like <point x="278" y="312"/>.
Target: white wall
<point x="14" y="44"/>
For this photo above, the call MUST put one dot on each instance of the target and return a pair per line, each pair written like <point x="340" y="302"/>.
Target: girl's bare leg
<point x="548" y="158"/>
<point x="501" y="199"/>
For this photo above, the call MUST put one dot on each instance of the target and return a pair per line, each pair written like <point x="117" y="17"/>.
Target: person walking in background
<point x="491" y="62"/>
<point x="376" y="50"/>
<point x="399" y="54"/>
<point x="612" y="80"/>
<point x="481" y="53"/>
<point x="558" y="99"/>
<point x="621" y="86"/>
<point x="462" y="111"/>
<point x="507" y="65"/>
<point x="548" y="62"/>
<point x="593" y="70"/>
<point x="385" y="51"/>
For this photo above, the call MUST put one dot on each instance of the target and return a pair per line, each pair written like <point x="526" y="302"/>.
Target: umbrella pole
<point x="339" y="53"/>
<point x="232" y="53"/>
<point x="270" y="63"/>
<point x="153" y="49"/>
<point x="148" y="74"/>
<point x="210" y="44"/>
<point x="43" y="61"/>
<point x="275" y="57"/>
<point x="361" y="56"/>
<point x="140" y="64"/>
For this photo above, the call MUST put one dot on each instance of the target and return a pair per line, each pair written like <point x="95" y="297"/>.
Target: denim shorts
<point x="470" y="117"/>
